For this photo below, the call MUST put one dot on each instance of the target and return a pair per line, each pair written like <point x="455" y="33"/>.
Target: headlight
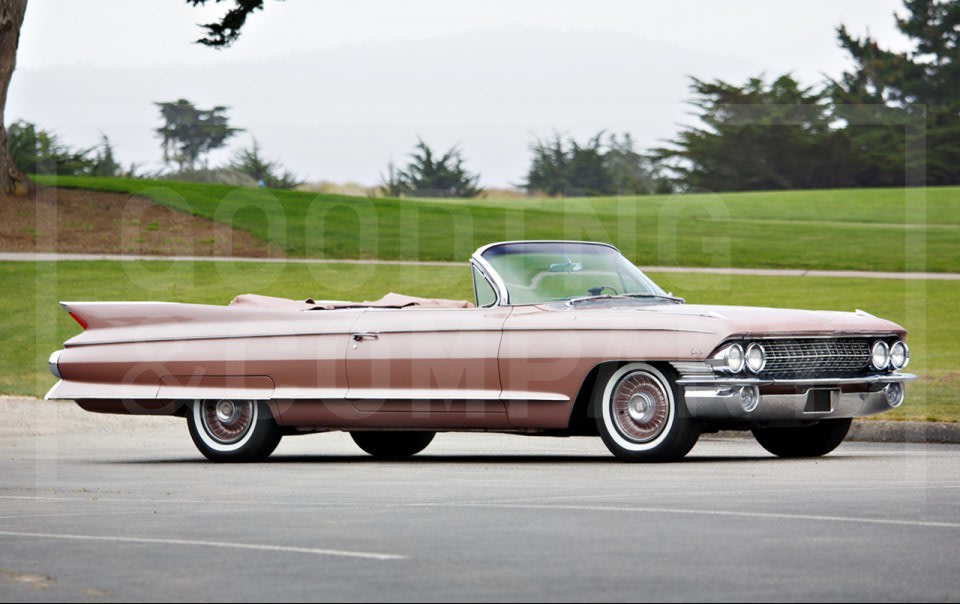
<point x="731" y="358"/>
<point x="756" y="357"/>
<point x="880" y="355"/>
<point x="899" y="355"/>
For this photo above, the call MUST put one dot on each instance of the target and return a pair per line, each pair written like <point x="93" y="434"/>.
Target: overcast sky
<point x="335" y="90"/>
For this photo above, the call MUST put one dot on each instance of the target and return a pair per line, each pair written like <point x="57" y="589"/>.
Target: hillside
<point x="87" y="221"/>
<point x="865" y="229"/>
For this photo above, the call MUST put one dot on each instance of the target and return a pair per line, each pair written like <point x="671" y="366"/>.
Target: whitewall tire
<point x="641" y="416"/>
<point x="233" y="430"/>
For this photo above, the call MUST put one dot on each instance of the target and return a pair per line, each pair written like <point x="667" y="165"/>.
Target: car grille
<point x="816" y="357"/>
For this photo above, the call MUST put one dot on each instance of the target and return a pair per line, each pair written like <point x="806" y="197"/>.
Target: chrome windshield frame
<point x="499" y="286"/>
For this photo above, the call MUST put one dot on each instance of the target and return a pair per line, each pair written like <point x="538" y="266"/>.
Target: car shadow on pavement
<point x="458" y="459"/>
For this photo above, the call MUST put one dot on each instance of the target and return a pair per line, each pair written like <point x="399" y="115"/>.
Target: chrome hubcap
<point x="227" y="421"/>
<point x="227" y="412"/>
<point x="641" y="407"/>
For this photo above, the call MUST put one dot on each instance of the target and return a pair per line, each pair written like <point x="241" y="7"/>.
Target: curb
<point x="905" y="432"/>
<point x="940" y="433"/>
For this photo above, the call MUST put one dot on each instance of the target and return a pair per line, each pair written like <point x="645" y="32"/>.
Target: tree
<point x="219" y="35"/>
<point x="633" y="172"/>
<point x="250" y="161"/>
<point x="390" y="184"/>
<point x="189" y="133"/>
<point x="104" y="163"/>
<point x="550" y="167"/>
<point x="225" y="32"/>
<point x="925" y="79"/>
<point x="759" y="136"/>
<point x="561" y="167"/>
<point x="426" y="175"/>
<point x="38" y="151"/>
<point x="12" y="179"/>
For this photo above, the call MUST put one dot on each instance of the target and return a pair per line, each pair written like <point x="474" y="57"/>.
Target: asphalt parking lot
<point x="101" y="508"/>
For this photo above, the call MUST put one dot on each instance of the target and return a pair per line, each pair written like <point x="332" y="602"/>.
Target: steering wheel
<point x="596" y="291"/>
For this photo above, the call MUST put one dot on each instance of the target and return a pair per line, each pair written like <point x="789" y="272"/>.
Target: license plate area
<point x="821" y="400"/>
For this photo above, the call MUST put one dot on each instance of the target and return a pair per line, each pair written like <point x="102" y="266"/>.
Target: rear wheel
<point x="804" y="441"/>
<point x="229" y="430"/>
<point x="641" y="416"/>
<point x="392" y="444"/>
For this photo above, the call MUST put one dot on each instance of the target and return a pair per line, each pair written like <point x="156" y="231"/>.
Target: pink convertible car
<point x="563" y="338"/>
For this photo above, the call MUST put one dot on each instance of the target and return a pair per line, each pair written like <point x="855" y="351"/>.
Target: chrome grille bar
<point x="799" y="357"/>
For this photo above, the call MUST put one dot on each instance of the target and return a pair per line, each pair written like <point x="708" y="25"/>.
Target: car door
<point x="308" y="368"/>
<point x="427" y="367"/>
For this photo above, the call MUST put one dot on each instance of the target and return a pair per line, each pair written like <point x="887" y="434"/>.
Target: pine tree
<point x="427" y="175"/>
<point x="922" y="81"/>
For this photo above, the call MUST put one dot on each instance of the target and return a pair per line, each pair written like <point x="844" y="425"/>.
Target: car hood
<point x="757" y="320"/>
<point x="721" y="320"/>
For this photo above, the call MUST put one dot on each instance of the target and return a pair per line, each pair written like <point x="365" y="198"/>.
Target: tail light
<point x="80" y="321"/>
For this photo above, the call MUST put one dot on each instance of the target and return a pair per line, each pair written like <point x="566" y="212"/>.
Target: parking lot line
<point x="216" y="544"/>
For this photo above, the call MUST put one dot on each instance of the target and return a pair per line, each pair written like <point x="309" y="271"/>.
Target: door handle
<point x="366" y="336"/>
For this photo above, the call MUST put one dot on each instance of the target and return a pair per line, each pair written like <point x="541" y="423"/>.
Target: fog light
<point x="894" y="394"/>
<point x="749" y="398"/>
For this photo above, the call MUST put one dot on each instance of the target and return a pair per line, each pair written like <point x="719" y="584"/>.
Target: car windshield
<point x="538" y="272"/>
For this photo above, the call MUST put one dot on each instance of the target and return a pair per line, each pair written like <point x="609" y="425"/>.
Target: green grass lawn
<point x="865" y="229"/>
<point x="32" y="325"/>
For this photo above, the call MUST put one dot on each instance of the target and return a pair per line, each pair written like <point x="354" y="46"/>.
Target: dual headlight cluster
<point x="734" y="358"/>
<point x="886" y="356"/>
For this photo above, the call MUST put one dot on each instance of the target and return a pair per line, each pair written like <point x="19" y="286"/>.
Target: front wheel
<point x="229" y="430"/>
<point x="392" y="444"/>
<point x="804" y="441"/>
<point x="641" y="416"/>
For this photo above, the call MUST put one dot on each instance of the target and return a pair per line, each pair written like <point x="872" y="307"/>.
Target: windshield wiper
<point x="676" y="299"/>
<point x="575" y="301"/>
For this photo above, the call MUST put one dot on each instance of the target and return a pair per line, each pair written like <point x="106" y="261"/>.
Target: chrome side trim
<point x="421" y="394"/>
<point x="692" y="368"/>
<point x="71" y="391"/>
<point x="427" y="394"/>
<point x="524" y="395"/>
<point x="51" y="394"/>
<point x="286" y="334"/>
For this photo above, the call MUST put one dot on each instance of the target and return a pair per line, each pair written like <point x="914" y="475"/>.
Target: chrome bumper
<point x="713" y="397"/>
